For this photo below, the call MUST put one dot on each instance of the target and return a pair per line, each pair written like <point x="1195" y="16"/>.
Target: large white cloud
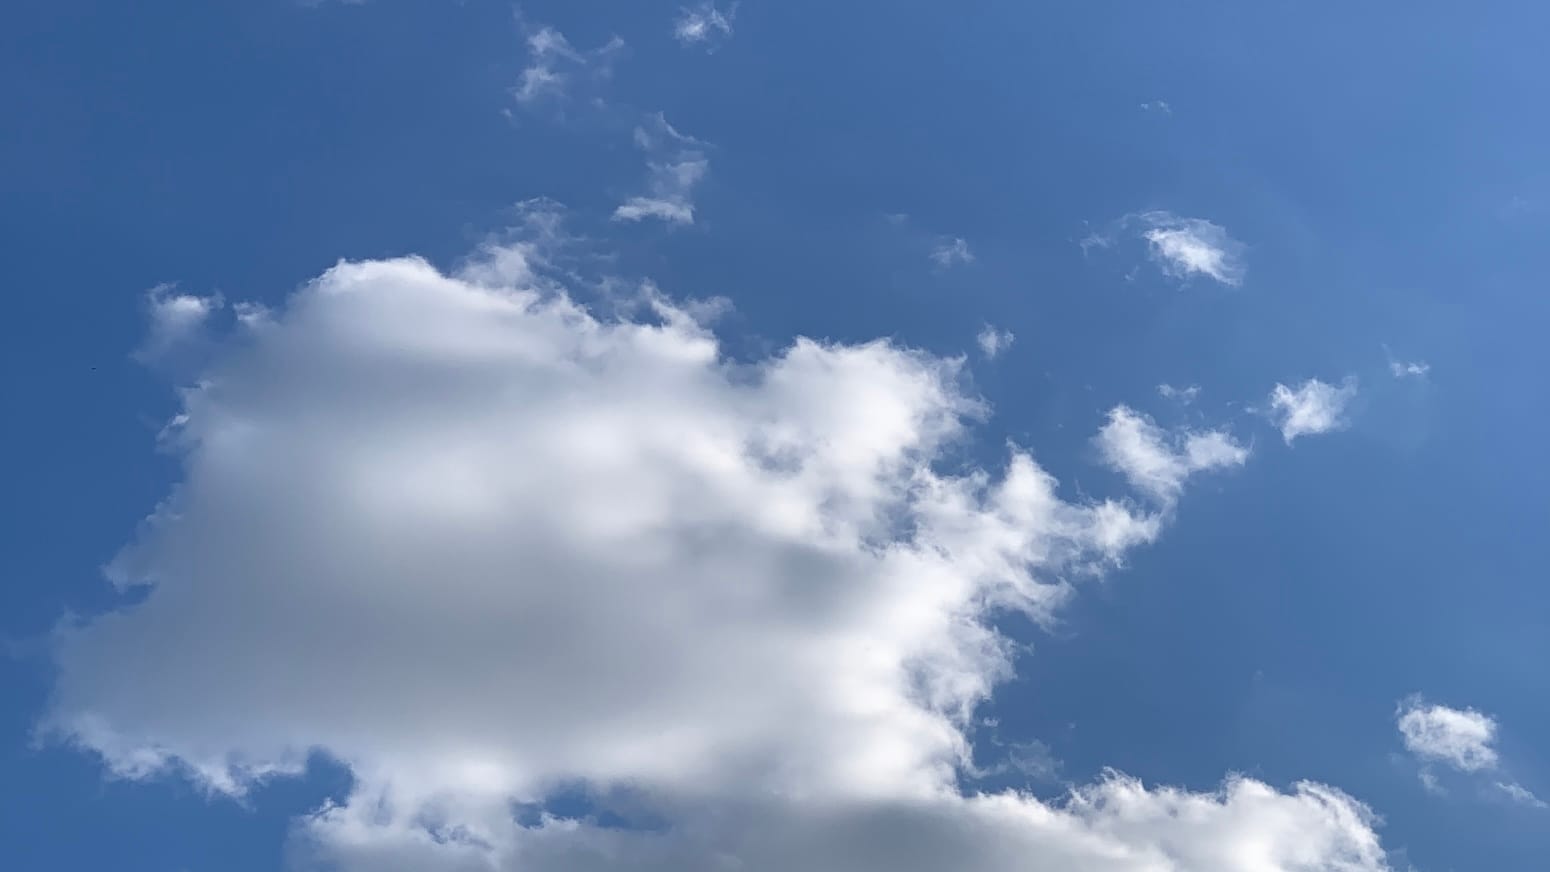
<point x="480" y="544"/>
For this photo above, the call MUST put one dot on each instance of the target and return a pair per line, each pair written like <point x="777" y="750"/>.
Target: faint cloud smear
<point x="1187" y="247"/>
<point x="1158" y="462"/>
<point x="1311" y="408"/>
<point x="1183" y="396"/>
<point x="705" y="24"/>
<point x="952" y="251"/>
<point x="1459" y="738"/>
<point x="1160" y="107"/>
<point x="554" y="65"/>
<point x="676" y="164"/>
<point x="992" y="341"/>
<point x="1409" y="369"/>
<point x="1521" y="795"/>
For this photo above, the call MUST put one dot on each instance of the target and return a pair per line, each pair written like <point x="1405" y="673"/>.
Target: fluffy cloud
<point x="1311" y="408"/>
<point x="1460" y="738"/>
<point x="481" y="545"/>
<point x="554" y="65"/>
<point x="1186" y="247"/>
<point x="951" y="251"/>
<point x="177" y="321"/>
<point x="992" y="341"/>
<point x="676" y="164"/>
<point x="705" y="24"/>
<point x="1158" y="462"/>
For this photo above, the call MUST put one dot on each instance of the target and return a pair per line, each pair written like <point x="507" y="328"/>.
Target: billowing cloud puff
<point x="481" y="545"/>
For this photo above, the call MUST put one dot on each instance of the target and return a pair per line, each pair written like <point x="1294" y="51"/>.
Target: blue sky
<point x="1344" y="588"/>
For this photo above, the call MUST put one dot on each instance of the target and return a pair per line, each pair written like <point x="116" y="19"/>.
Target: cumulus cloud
<point x="480" y="545"/>
<point x="1310" y="408"/>
<point x="554" y="65"/>
<point x="676" y="164"/>
<point x="951" y="251"/>
<point x="1159" y="462"/>
<point x="1460" y="738"/>
<point x="992" y="341"/>
<point x="705" y="24"/>
<point x="1187" y="247"/>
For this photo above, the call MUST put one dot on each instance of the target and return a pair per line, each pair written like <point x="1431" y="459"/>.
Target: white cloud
<point x="479" y="544"/>
<point x="1460" y="738"/>
<point x="1409" y="369"/>
<point x="1311" y="408"/>
<point x="951" y="251"/>
<point x="676" y="166"/>
<point x="992" y="341"/>
<point x="554" y="65"/>
<point x="704" y="24"/>
<point x="1186" y="247"/>
<point x="1159" y="106"/>
<point x="1521" y="795"/>
<point x="1184" y="395"/>
<point x="177" y="323"/>
<point x="1158" y="462"/>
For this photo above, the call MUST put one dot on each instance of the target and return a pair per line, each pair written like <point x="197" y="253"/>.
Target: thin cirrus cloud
<point x="1311" y="408"/>
<point x="744" y="604"/>
<point x="676" y="164"/>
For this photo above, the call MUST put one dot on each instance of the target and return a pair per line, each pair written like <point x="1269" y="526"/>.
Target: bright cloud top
<point x="1158" y="462"/>
<point x="1460" y="738"/>
<point x="479" y="545"/>
<point x="676" y="164"/>
<point x="1311" y="408"/>
<point x="1187" y="247"/>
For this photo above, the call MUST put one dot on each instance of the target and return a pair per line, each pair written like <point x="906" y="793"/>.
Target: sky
<point x="769" y="435"/>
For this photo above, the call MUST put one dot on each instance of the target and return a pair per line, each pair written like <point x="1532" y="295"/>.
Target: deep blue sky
<point x="1382" y="162"/>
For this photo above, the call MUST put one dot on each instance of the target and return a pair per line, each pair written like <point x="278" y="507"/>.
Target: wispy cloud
<point x="992" y="341"/>
<point x="705" y="24"/>
<point x="1159" y="462"/>
<point x="951" y="251"/>
<point x="1184" y="396"/>
<point x="554" y="65"/>
<point x="676" y="164"/>
<point x="1521" y="795"/>
<point x="1310" y="408"/>
<point x="1159" y="106"/>
<point x="1187" y="247"/>
<point x="1180" y="247"/>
